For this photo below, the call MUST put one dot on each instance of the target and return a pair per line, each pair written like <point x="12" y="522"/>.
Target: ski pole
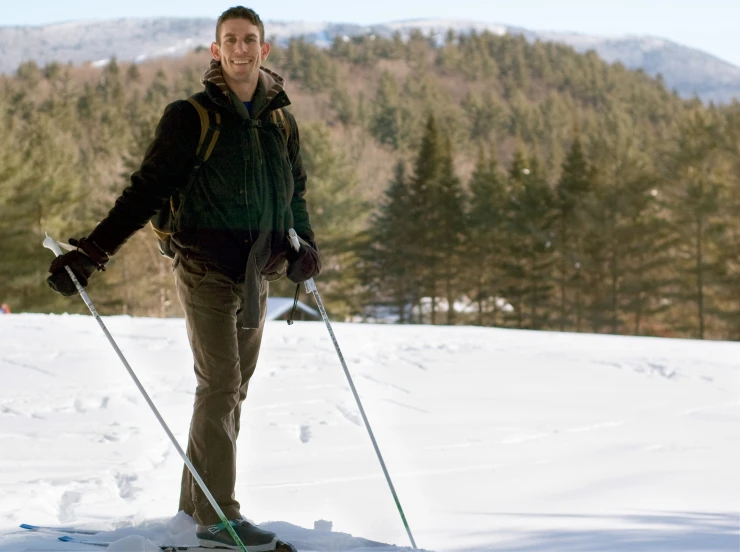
<point x="49" y="243"/>
<point x="311" y="289"/>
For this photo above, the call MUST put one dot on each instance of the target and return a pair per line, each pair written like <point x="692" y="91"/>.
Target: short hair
<point x="240" y="12"/>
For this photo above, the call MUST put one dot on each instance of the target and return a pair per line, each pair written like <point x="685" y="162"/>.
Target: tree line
<point x="617" y="245"/>
<point x="523" y="184"/>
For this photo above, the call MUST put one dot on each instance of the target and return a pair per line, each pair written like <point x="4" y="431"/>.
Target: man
<point x="230" y="236"/>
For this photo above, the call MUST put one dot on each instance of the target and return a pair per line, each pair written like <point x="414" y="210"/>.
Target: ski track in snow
<point x="386" y="384"/>
<point x="408" y="406"/>
<point x="17" y="364"/>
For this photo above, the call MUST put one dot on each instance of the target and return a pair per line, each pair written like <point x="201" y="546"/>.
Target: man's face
<point x="240" y="51"/>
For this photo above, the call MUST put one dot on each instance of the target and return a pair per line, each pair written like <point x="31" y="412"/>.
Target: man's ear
<point x="216" y="51"/>
<point x="265" y="50"/>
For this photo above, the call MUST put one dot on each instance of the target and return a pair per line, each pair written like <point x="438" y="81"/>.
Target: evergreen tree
<point x="514" y="261"/>
<point x="647" y="242"/>
<point x="338" y="214"/>
<point x="387" y="116"/>
<point x="389" y="253"/>
<point x="534" y="226"/>
<point x="728" y="136"/>
<point x="39" y="189"/>
<point x="573" y="192"/>
<point x="697" y="194"/>
<point x="448" y="229"/>
<point x="486" y="246"/>
<point x="424" y="186"/>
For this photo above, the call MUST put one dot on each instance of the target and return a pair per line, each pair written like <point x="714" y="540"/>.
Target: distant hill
<point x="689" y="71"/>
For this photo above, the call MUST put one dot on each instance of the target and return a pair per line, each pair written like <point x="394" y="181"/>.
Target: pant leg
<point x="211" y="302"/>
<point x="249" y="349"/>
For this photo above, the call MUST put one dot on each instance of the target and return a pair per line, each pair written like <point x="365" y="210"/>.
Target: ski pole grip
<point x="49" y="243"/>
<point x="310" y="286"/>
<point x="294" y="241"/>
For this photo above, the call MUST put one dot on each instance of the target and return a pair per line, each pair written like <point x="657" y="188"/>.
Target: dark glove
<point x="303" y="264"/>
<point x="84" y="262"/>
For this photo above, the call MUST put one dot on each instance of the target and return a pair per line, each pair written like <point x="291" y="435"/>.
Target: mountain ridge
<point x="689" y="71"/>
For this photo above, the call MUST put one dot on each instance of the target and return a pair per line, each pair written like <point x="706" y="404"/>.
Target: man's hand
<point x="303" y="264"/>
<point x="84" y="262"/>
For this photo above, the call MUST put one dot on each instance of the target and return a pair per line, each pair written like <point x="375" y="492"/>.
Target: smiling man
<point x="240" y="49"/>
<point x="231" y="214"/>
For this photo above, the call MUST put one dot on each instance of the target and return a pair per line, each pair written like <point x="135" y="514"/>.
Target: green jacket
<point x="243" y="200"/>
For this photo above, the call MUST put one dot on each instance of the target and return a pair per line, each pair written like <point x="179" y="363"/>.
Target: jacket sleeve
<point x="301" y="220"/>
<point x="164" y="171"/>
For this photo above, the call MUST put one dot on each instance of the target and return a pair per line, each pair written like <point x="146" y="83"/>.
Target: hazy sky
<point x="710" y="25"/>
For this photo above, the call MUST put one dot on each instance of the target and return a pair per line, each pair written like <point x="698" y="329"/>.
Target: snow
<point x="496" y="440"/>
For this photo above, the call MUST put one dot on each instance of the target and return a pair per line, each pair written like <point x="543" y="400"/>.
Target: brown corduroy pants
<point x="225" y="357"/>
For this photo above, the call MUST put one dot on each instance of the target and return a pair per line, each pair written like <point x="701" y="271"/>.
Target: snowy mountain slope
<point x="687" y="70"/>
<point x="513" y="441"/>
<point x="690" y="71"/>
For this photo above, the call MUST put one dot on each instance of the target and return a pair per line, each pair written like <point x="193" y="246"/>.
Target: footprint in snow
<point x="67" y="504"/>
<point x="350" y="416"/>
<point x="125" y="484"/>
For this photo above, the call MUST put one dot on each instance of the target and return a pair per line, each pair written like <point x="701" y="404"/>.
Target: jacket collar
<point x="272" y="84"/>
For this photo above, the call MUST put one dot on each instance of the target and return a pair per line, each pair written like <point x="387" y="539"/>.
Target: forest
<point x="479" y="179"/>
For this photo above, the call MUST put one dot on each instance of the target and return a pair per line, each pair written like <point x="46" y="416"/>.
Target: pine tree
<point x="39" y="188"/>
<point x="697" y="195"/>
<point x="387" y="118"/>
<point x="448" y="229"/>
<point x="514" y="262"/>
<point x="728" y="136"/>
<point x="485" y="249"/>
<point x="647" y="241"/>
<point x="535" y="228"/>
<point x="424" y="184"/>
<point x="389" y="253"/>
<point x="338" y="214"/>
<point x="573" y="191"/>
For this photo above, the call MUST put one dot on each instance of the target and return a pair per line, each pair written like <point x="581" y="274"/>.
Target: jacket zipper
<point x="246" y="198"/>
<point x="259" y="145"/>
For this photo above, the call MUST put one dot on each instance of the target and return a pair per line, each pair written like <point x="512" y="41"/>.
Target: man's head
<point x="240" y="12"/>
<point x="240" y="46"/>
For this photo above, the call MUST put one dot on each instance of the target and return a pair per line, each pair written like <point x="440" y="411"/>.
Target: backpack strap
<point x="210" y="128"/>
<point x="279" y="119"/>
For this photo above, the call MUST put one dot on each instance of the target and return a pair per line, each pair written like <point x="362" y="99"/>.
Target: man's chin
<point x="242" y="70"/>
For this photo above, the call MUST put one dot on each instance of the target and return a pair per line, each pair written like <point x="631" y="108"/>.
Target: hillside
<point x="561" y="191"/>
<point x="689" y="71"/>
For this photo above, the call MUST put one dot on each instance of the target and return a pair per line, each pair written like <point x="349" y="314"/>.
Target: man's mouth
<point x="240" y="62"/>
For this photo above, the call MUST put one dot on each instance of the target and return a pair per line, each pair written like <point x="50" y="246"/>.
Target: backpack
<point x="163" y="222"/>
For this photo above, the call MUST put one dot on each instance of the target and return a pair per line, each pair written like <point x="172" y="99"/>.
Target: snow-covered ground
<point x="496" y="440"/>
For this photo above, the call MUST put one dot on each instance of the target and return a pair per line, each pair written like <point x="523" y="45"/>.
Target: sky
<point x="709" y="25"/>
<point x="495" y="439"/>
